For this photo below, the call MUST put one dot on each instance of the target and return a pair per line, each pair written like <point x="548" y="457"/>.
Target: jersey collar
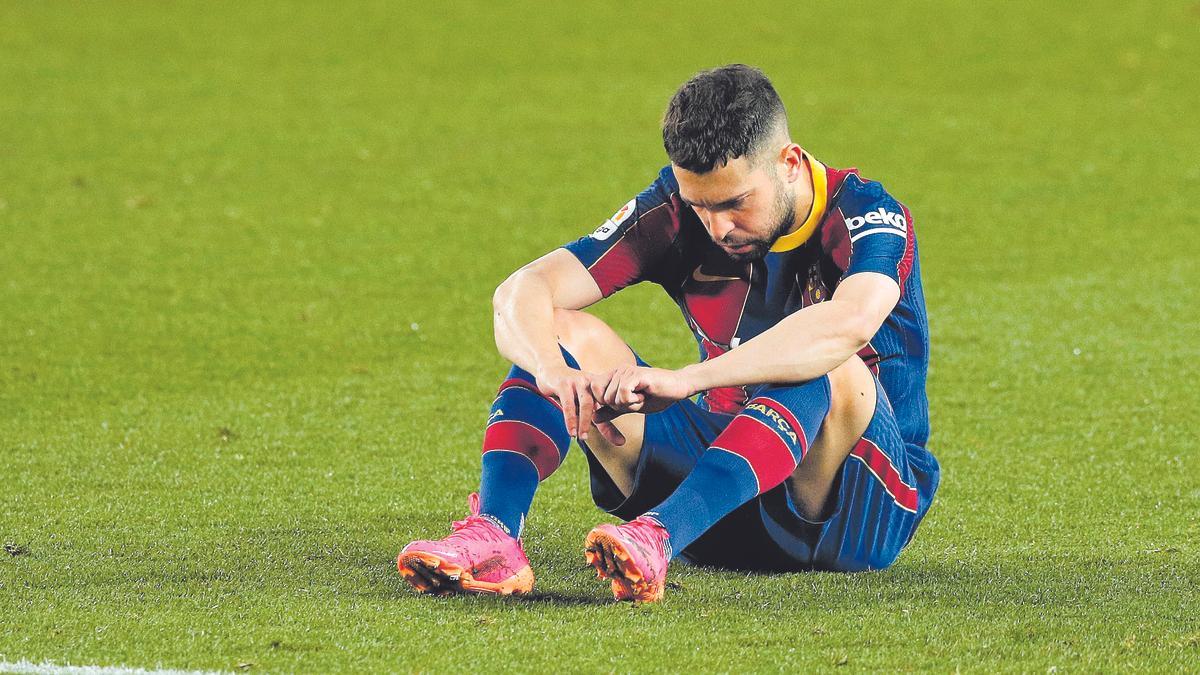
<point x="815" y="214"/>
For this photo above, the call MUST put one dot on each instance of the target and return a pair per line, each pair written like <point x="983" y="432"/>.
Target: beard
<point x="782" y="218"/>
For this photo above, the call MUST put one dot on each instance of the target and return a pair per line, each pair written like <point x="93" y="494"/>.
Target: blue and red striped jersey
<point x="854" y="226"/>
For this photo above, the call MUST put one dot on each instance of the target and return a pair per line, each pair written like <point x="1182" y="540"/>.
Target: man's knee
<point x="851" y="378"/>
<point x="851" y="406"/>
<point x="573" y="325"/>
<point x="591" y="341"/>
<point x="852" y="394"/>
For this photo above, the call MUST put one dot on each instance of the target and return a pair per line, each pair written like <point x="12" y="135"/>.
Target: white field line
<point x="51" y="668"/>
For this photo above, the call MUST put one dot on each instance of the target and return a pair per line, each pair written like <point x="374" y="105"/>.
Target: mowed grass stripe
<point x="48" y="668"/>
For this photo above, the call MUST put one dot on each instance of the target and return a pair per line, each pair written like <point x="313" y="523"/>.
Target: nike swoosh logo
<point x="701" y="276"/>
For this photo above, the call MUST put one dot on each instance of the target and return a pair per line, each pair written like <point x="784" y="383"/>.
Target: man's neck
<point x="804" y="197"/>
<point x="810" y="201"/>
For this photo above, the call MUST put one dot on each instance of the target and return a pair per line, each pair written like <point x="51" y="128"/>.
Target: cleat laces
<point x="649" y="533"/>
<point x="475" y="527"/>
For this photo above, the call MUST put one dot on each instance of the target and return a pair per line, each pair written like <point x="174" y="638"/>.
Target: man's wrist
<point x="694" y="377"/>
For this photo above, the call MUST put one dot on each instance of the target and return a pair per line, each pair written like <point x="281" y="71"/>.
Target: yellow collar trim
<point x="815" y="214"/>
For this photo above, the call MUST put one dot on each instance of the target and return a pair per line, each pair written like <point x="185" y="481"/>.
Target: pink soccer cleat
<point x="477" y="557"/>
<point x="634" y="556"/>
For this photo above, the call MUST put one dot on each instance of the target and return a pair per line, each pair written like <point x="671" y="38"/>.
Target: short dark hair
<point x="719" y="115"/>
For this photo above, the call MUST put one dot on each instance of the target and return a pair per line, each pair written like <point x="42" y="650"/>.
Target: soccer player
<point x="804" y="447"/>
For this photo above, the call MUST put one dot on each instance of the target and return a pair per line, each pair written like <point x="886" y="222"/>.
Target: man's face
<point x="745" y="205"/>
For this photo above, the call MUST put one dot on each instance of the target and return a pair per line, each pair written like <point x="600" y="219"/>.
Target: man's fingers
<point x="597" y="387"/>
<point x="610" y="391"/>
<point x="627" y="394"/>
<point x="570" y="411"/>
<point x="547" y="391"/>
<point x="604" y="414"/>
<point x="587" y="405"/>
<point x="610" y="432"/>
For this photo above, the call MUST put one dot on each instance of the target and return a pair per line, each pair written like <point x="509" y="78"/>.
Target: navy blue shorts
<point x="881" y="494"/>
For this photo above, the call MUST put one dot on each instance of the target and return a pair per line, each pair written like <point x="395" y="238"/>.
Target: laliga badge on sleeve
<point x="609" y="226"/>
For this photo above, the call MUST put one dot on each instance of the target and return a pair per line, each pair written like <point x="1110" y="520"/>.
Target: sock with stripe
<point x="759" y="449"/>
<point x="525" y="441"/>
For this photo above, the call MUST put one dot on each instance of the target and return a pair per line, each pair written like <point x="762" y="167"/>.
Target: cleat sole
<point x="428" y="573"/>
<point x="613" y="561"/>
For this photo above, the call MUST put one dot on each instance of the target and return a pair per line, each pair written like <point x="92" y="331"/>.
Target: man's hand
<point x="573" y="391"/>
<point x="634" y="389"/>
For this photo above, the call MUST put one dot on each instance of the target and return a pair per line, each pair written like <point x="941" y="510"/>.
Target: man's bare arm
<point x="804" y="346"/>
<point x="808" y="343"/>
<point x="524" y="307"/>
<point x="523" y="311"/>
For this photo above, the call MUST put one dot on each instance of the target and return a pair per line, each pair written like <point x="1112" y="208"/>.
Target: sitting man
<point x="805" y="447"/>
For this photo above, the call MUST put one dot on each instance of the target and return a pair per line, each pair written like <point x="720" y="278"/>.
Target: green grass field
<point x="247" y="252"/>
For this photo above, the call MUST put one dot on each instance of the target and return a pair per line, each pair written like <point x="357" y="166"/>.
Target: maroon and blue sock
<point x="525" y="441"/>
<point x="759" y="449"/>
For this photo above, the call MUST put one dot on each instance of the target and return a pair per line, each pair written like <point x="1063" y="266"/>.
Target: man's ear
<point x="792" y="156"/>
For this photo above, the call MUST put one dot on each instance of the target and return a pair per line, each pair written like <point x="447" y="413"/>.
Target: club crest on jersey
<point x="609" y="226"/>
<point x="814" y="286"/>
<point x="877" y="217"/>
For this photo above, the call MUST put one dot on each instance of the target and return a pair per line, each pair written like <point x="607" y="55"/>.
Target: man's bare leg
<point x="852" y="404"/>
<point x="762" y="447"/>
<point x="525" y="441"/>
<point x="598" y="348"/>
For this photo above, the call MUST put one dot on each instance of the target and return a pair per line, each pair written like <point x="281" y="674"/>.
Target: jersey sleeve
<point x="869" y="231"/>
<point x="632" y="245"/>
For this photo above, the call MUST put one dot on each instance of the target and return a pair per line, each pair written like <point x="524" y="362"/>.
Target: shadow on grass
<point x="562" y="599"/>
<point x="354" y="565"/>
<point x="951" y="578"/>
